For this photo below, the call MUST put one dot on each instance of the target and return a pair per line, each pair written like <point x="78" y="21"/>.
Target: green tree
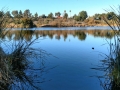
<point x="58" y="14"/>
<point x="97" y="16"/>
<point x="75" y="17"/>
<point x="83" y="15"/>
<point x="70" y="13"/>
<point x="43" y="16"/>
<point x="65" y="16"/>
<point x="7" y="14"/>
<point x="27" y="22"/>
<point x="36" y="15"/>
<point x="1" y="13"/>
<point x="110" y="15"/>
<point x="20" y="14"/>
<point x="27" y="13"/>
<point x="50" y="15"/>
<point x="15" y="13"/>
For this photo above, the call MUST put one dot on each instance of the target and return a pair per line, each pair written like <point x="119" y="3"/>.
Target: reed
<point x="17" y="60"/>
<point x="111" y="64"/>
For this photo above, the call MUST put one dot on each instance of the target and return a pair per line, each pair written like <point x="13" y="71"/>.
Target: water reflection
<point x="17" y="70"/>
<point x="25" y="55"/>
<point x="80" y="34"/>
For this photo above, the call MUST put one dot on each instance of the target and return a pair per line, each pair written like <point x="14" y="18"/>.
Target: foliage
<point x="110" y="15"/>
<point x="97" y="16"/>
<point x="75" y="17"/>
<point x="20" y="14"/>
<point x="83" y="15"/>
<point x="1" y="13"/>
<point x="65" y="16"/>
<point x="27" y="22"/>
<point x="15" y="13"/>
<point x="17" y="59"/>
<point x="50" y="15"/>
<point x="27" y="13"/>
<point x="36" y="15"/>
<point x="43" y="16"/>
<point x="58" y="14"/>
<point x="111" y="64"/>
<point x="70" y="12"/>
<point x="7" y="14"/>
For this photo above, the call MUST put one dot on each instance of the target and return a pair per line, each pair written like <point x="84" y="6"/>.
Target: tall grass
<point x="111" y="64"/>
<point x="17" y="60"/>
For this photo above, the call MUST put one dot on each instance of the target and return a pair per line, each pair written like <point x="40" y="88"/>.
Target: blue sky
<point x="47" y="6"/>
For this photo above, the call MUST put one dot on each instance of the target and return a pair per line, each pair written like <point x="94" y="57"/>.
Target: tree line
<point x="26" y="18"/>
<point x="80" y="17"/>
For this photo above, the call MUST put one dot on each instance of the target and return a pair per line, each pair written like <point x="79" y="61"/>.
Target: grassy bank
<point x="55" y="22"/>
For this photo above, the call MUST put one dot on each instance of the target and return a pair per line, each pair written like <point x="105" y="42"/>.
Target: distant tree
<point x="64" y="11"/>
<point x="50" y="15"/>
<point x="27" y="22"/>
<point x="97" y="16"/>
<point x="75" y="17"/>
<point x="7" y="14"/>
<point x="70" y="13"/>
<point x="15" y="13"/>
<point x="1" y="13"/>
<point x="110" y="15"/>
<point x="43" y="16"/>
<point x="103" y="15"/>
<point x="30" y="15"/>
<point x="83" y="15"/>
<point x="36" y="15"/>
<point x="58" y="14"/>
<point x="20" y="14"/>
<point x="65" y="16"/>
<point x="27" y="13"/>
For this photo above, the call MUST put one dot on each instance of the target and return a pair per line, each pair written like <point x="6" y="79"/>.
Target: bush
<point x="27" y="22"/>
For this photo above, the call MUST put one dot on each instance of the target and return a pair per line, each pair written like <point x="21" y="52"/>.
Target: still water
<point x="73" y="54"/>
<point x="73" y="65"/>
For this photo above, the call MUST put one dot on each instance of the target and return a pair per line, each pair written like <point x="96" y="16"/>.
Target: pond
<point x="73" y="54"/>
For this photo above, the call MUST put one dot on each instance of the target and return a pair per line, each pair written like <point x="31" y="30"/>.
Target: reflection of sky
<point x="73" y="28"/>
<point x="75" y="58"/>
<point x="68" y="28"/>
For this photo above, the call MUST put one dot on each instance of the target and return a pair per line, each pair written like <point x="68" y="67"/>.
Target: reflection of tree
<point x="65" y="36"/>
<point x="28" y="37"/>
<point x="16" y="37"/>
<point x="50" y="36"/>
<point x="27" y="34"/>
<point x="109" y="35"/>
<point x="37" y="35"/>
<point x="81" y="35"/>
<point x="9" y="36"/>
<point x="57" y="37"/>
<point x="102" y="33"/>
